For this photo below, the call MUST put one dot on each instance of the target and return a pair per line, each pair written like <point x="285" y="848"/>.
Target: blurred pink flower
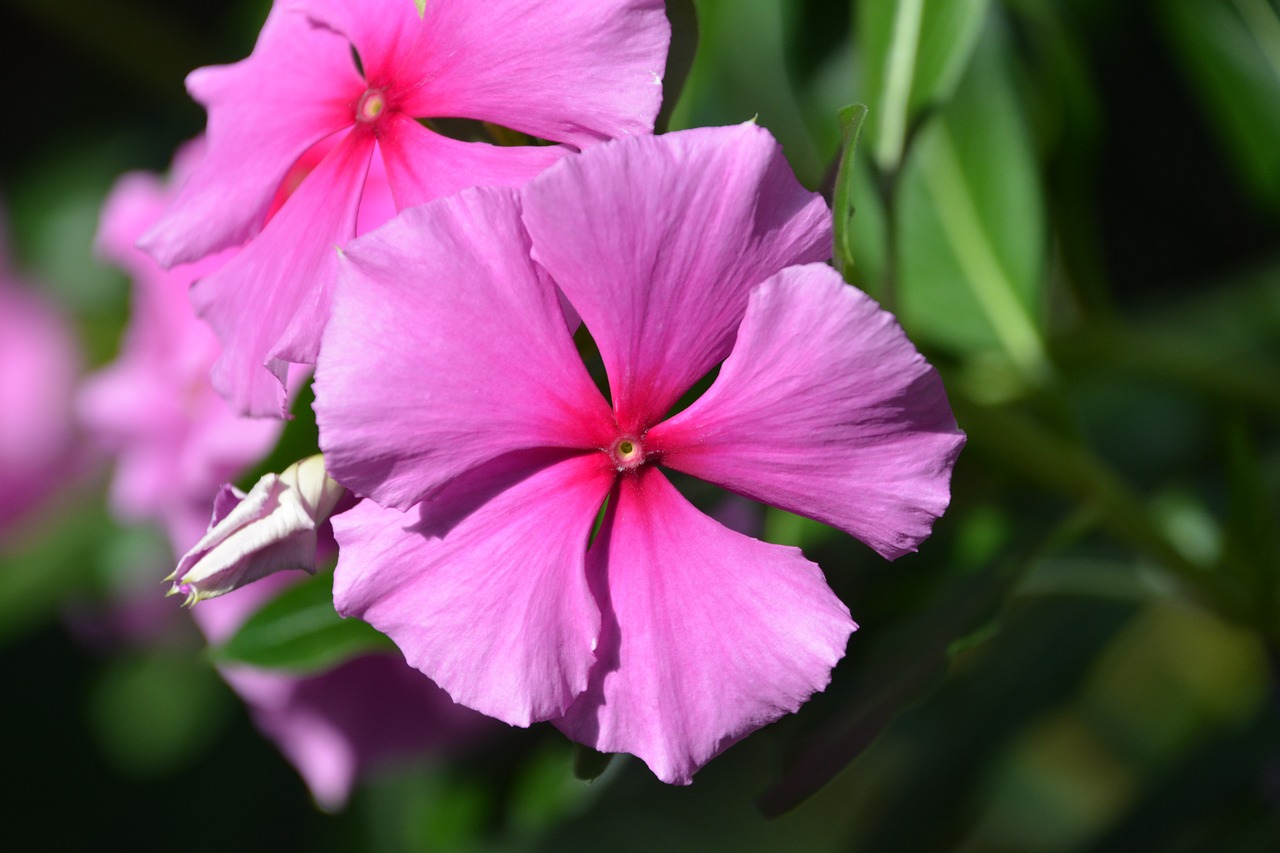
<point x="569" y="71"/>
<point x="39" y="365"/>
<point x="175" y="441"/>
<point x="668" y="636"/>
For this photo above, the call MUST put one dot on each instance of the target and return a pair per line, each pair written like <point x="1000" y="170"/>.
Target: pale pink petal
<point x="824" y="409"/>
<point x="269" y="304"/>
<point x="447" y="348"/>
<point x="706" y="634"/>
<point x="383" y="32"/>
<point x="563" y="70"/>
<point x="496" y="611"/>
<point x="298" y="86"/>
<point x="657" y="242"/>
<point x="422" y="165"/>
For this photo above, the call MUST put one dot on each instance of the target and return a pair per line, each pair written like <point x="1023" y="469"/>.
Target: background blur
<point x="1073" y="206"/>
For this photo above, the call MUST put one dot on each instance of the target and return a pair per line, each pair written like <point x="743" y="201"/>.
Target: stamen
<point x="627" y="453"/>
<point x="371" y="105"/>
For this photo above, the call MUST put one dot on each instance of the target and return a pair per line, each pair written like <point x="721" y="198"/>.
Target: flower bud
<point x="270" y="529"/>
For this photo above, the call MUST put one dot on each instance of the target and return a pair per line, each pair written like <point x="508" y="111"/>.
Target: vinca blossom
<point x="39" y="366"/>
<point x="449" y="392"/>
<point x="175" y="441"/>
<point x="356" y="76"/>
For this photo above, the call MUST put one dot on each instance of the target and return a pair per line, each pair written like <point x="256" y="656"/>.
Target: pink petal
<point x="658" y="240"/>
<point x="496" y="611"/>
<point x="384" y="34"/>
<point x="824" y="409"/>
<point x="269" y="304"/>
<point x="298" y="86"/>
<point x="706" y="634"/>
<point x="422" y="165"/>
<point x="446" y="349"/>
<point x="564" y="70"/>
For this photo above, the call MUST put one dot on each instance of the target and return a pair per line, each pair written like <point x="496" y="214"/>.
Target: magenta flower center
<point x="371" y="105"/>
<point x="627" y="453"/>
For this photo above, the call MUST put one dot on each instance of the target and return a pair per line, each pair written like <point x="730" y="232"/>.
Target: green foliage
<point x="299" y="631"/>
<point x="843" y="208"/>
<point x="1230" y="51"/>
<point x="913" y="53"/>
<point x="971" y="238"/>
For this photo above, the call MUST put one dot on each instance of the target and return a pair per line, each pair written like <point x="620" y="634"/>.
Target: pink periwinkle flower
<point x="450" y="392"/>
<point x="174" y="439"/>
<point x="39" y="366"/>
<point x="569" y="71"/>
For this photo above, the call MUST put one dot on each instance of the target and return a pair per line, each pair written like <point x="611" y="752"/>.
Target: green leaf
<point x="300" y="631"/>
<point x="683" y="16"/>
<point x="913" y="54"/>
<point x="971" y="231"/>
<point x="1230" y="49"/>
<point x="851" y="118"/>
<point x="589" y="764"/>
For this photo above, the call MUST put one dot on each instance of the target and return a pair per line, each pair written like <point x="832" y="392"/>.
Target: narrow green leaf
<point x="589" y="764"/>
<point x="683" y="16"/>
<point x="300" y="631"/>
<point x="1230" y="50"/>
<point x="851" y="118"/>
<point x="913" y="54"/>
<point x="899" y="73"/>
<point x="971" y="231"/>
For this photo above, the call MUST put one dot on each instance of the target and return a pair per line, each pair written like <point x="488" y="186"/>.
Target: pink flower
<point x="667" y="635"/>
<point x="570" y="71"/>
<point x="175" y="440"/>
<point x="39" y="364"/>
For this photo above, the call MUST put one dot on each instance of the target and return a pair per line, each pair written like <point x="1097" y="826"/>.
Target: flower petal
<point x="657" y="242"/>
<point x="298" y="86"/>
<point x="447" y="348"/>
<point x="497" y="611"/>
<point x="269" y="303"/>
<point x="562" y="70"/>
<point x="423" y="166"/>
<point x="824" y="409"/>
<point x="706" y="634"/>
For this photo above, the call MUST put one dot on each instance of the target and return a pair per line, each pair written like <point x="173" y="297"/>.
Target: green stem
<point x="1051" y="462"/>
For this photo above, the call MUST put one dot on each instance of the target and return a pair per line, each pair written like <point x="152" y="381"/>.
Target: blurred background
<point x="1074" y="208"/>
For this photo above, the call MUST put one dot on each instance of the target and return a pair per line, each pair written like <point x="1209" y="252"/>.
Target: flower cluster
<point x="516" y="535"/>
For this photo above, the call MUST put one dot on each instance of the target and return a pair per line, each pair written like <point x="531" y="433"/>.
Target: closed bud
<point x="270" y="529"/>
